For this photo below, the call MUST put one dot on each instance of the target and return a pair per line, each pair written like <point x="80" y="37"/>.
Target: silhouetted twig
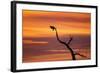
<point x="70" y="40"/>
<point x="80" y="55"/>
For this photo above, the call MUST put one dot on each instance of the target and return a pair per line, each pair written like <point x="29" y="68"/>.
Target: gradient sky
<point x="39" y="41"/>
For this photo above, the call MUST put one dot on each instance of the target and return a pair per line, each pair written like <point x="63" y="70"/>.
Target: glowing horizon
<point x="40" y="42"/>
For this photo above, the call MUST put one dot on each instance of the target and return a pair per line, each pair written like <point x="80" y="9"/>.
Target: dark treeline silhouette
<point x="67" y="44"/>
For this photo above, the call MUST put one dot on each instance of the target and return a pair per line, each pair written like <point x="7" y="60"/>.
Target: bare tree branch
<point x="64" y="43"/>
<point x="70" y="40"/>
<point x="76" y="53"/>
<point x="67" y="45"/>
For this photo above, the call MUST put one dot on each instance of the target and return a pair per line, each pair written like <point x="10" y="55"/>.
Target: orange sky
<point x="40" y="43"/>
<point x="36" y="23"/>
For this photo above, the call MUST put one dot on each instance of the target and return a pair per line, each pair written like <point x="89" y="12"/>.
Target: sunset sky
<point x="39" y="41"/>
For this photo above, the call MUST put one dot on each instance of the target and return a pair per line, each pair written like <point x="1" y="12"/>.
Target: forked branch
<point x="67" y="44"/>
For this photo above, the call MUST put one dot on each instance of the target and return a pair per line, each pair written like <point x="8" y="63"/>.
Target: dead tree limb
<point x="67" y="44"/>
<point x="80" y="55"/>
<point x="70" y="40"/>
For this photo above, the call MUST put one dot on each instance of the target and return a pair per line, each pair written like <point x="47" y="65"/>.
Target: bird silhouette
<point x="52" y="27"/>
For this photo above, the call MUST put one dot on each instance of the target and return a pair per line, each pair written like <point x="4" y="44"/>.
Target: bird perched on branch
<point x="52" y="27"/>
